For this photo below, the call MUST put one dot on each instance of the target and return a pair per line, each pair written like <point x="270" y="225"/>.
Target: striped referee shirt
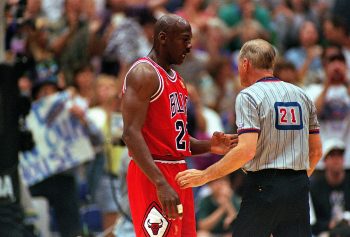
<point x="284" y="116"/>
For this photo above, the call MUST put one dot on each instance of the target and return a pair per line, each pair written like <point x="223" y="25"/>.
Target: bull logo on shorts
<point x="155" y="224"/>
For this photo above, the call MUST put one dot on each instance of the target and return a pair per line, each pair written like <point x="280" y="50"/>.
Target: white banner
<point x="61" y="142"/>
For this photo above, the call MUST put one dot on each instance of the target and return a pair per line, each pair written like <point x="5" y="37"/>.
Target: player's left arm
<point x="220" y="143"/>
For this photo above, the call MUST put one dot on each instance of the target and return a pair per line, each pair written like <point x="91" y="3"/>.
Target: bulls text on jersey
<point x="178" y="103"/>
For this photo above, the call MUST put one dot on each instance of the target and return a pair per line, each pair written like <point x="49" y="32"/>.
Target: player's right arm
<point x="141" y="83"/>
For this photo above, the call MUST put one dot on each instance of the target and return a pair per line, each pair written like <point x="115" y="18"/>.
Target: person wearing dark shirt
<point x="218" y="210"/>
<point x="330" y="193"/>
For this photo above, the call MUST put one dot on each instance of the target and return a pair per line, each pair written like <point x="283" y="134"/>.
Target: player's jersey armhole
<point x="161" y="82"/>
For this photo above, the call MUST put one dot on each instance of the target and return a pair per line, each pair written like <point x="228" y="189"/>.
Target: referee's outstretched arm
<point x="233" y="160"/>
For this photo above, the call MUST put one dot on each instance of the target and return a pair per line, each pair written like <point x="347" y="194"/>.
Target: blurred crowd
<point x="85" y="47"/>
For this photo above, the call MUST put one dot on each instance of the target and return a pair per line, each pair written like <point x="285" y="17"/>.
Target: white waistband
<point x="171" y="161"/>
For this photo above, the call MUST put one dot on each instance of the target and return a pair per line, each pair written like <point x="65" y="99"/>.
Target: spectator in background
<point x="218" y="210"/>
<point x="75" y="41"/>
<point x="307" y="56"/>
<point x="341" y="8"/>
<point x="331" y="193"/>
<point x="337" y="32"/>
<point x="60" y="189"/>
<point x="215" y="37"/>
<point x="247" y="30"/>
<point x="234" y="13"/>
<point x="207" y="46"/>
<point x="40" y="62"/>
<point x="197" y="124"/>
<point x="84" y="81"/>
<point x="33" y="9"/>
<point x="332" y="99"/>
<point x="286" y="71"/>
<point x="202" y="123"/>
<point x="221" y="93"/>
<point x="288" y="18"/>
<point x="107" y="117"/>
<point x="196" y="13"/>
<point x="125" y="40"/>
<point x="52" y="10"/>
<point x="45" y="65"/>
<point x="124" y="226"/>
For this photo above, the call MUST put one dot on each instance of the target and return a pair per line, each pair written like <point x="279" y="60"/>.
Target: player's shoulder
<point x="142" y="75"/>
<point x="142" y="68"/>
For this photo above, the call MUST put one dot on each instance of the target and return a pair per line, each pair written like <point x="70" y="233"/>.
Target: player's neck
<point x="159" y="60"/>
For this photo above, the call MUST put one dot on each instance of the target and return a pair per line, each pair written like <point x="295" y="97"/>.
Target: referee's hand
<point x="190" y="178"/>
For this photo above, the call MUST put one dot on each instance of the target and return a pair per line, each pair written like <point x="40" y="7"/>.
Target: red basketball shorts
<point x="146" y="210"/>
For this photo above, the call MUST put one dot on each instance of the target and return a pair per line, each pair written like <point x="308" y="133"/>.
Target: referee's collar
<point x="268" y="79"/>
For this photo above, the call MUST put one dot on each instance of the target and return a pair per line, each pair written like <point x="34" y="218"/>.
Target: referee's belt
<point x="275" y="172"/>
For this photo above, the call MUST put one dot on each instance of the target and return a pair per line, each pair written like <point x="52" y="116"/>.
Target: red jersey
<point x="165" y="127"/>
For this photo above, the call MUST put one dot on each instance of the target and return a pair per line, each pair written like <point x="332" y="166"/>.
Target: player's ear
<point x="162" y="36"/>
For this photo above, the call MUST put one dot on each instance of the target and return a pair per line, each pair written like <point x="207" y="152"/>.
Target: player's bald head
<point x="170" y="23"/>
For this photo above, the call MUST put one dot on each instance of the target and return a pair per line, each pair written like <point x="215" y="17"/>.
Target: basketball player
<point x="155" y="119"/>
<point x="279" y="146"/>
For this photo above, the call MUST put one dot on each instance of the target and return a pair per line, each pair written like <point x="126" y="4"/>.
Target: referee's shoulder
<point x="296" y="88"/>
<point x="249" y="90"/>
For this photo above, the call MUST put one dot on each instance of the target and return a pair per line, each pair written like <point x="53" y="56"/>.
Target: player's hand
<point x="221" y="143"/>
<point x="190" y="178"/>
<point x="170" y="201"/>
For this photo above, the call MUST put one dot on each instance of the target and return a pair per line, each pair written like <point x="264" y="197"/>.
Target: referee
<point x="279" y="146"/>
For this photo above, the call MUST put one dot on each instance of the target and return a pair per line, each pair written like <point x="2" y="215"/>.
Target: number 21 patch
<point x="288" y="116"/>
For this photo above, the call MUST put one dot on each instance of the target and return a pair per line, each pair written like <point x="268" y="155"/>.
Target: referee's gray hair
<point x="260" y="53"/>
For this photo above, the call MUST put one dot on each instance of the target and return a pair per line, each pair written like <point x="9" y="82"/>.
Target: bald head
<point x="170" y="23"/>
<point x="259" y="52"/>
<point x="171" y="40"/>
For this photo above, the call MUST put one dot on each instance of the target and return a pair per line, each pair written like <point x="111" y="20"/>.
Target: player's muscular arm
<point x="141" y="83"/>
<point x="315" y="151"/>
